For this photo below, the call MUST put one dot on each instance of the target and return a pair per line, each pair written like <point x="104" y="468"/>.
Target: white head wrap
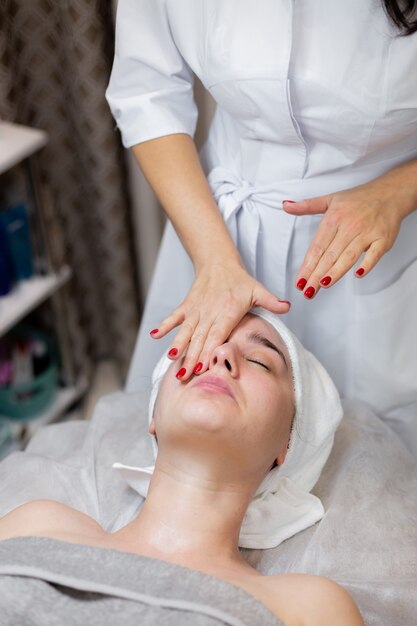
<point x="283" y="504"/>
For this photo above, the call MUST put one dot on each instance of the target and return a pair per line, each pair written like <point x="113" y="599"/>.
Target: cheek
<point x="175" y="399"/>
<point x="273" y="406"/>
<point x="166" y="394"/>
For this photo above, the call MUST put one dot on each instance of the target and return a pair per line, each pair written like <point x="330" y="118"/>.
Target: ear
<point x="152" y="429"/>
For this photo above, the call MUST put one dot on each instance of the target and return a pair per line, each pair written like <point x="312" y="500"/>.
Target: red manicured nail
<point x="309" y="292"/>
<point x="290" y="201"/>
<point x="301" y="283"/>
<point x="198" y="368"/>
<point x="285" y="302"/>
<point x="360" y="272"/>
<point x="181" y="373"/>
<point x="326" y="281"/>
<point x="173" y="352"/>
<point x="154" y="331"/>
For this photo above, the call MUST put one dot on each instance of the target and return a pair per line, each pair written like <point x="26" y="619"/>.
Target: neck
<point x="190" y="519"/>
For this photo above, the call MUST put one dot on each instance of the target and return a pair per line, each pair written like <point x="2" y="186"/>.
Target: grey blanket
<point x="48" y="582"/>
<point x="367" y="540"/>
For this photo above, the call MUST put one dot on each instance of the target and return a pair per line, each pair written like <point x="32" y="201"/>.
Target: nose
<point x="225" y="356"/>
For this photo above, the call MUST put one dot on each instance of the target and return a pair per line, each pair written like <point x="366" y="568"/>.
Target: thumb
<point x="265" y="299"/>
<point x="311" y="206"/>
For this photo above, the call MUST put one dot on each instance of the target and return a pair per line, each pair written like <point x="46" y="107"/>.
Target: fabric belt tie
<point x="239" y="202"/>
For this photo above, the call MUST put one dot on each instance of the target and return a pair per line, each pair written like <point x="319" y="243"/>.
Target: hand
<point x="220" y="297"/>
<point x="364" y="219"/>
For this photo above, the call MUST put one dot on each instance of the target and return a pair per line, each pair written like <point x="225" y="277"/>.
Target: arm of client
<point x="309" y="600"/>
<point x="43" y="518"/>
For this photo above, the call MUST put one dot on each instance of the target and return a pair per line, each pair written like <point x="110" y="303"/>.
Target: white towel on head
<point x="283" y="504"/>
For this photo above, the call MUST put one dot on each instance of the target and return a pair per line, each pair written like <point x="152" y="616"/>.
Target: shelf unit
<point x="27" y="295"/>
<point x="64" y="399"/>
<point x="18" y="144"/>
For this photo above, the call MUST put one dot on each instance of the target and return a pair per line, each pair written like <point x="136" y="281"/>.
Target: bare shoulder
<point x="308" y="600"/>
<point x="44" y="517"/>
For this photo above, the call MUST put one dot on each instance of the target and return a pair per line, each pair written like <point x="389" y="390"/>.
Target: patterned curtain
<point x="55" y="60"/>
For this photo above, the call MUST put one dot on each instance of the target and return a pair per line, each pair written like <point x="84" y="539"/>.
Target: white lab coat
<point x="313" y="97"/>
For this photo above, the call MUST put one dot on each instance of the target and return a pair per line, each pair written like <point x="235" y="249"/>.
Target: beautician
<point x="305" y="191"/>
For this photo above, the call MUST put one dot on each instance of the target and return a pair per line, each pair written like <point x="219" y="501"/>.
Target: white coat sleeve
<point x="150" y="92"/>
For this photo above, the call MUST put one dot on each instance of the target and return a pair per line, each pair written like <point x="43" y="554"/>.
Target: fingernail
<point x="173" y="352"/>
<point x="290" y="201"/>
<point x="360" y="272"/>
<point x="154" y="331"/>
<point x="198" y="368"/>
<point x="301" y="283"/>
<point x="181" y="373"/>
<point x="326" y="281"/>
<point x="309" y="292"/>
<point x="285" y="302"/>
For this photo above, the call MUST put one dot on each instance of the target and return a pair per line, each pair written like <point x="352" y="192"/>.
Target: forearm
<point x="172" y="168"/>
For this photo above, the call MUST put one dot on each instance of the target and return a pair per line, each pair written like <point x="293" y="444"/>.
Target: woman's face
<point x="240" y="410"/>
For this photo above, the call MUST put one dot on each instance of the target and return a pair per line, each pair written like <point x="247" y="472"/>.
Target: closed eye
<point x="259" y="363"/>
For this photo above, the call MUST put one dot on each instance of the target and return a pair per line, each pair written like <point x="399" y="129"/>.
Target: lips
<point x="215" y="383"/>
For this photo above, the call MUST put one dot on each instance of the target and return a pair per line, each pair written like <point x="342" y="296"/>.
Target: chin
<point x="206" y="416"/>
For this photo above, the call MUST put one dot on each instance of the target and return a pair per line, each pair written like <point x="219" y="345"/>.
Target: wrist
<point x="404" y="180"/>
<point x="218" y="259"/>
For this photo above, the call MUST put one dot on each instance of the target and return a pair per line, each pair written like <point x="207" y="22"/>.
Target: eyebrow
<point x="259" y="339"/>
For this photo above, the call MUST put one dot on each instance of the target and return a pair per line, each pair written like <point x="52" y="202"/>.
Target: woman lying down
<point x="238" y="450"/>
